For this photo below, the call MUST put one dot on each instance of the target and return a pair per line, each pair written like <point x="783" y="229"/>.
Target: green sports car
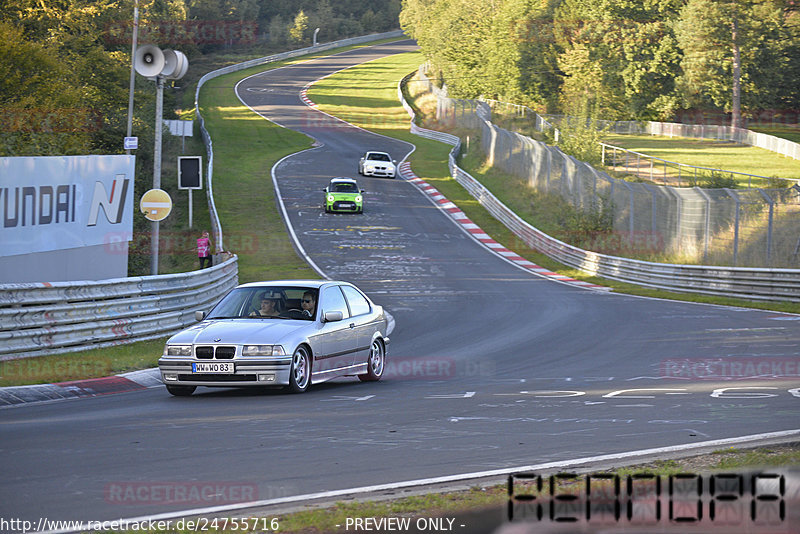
<point x="343" y="195"/>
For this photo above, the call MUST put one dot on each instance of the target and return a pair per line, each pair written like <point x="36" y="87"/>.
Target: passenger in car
<point x="269" y="308"/>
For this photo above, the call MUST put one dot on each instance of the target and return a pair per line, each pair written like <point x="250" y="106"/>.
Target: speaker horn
<point x="149" y="61"/>
<point x="175" y="65"/>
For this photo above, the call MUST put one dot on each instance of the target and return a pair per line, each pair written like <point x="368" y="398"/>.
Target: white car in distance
<point x="377" y="164"/>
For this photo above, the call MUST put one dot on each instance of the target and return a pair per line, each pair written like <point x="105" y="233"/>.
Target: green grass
<point x="246" y="146"/>
<point x="94" y="363"/>
<point x="712" y="154"/>
<point x="792" y="133"/>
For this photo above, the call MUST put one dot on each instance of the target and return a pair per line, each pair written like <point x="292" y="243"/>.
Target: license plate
<point x="215" y="367"/>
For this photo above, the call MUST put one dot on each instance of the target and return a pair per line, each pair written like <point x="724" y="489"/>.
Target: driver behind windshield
<point x="269" y="308"/>
<point x="308" y="303"/>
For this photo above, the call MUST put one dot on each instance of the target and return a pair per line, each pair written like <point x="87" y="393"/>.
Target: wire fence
<point x="742" y="136"/>
<point x="524" y="120"/>
<point x="668" y="172"/>
<point x="754" y="227"/>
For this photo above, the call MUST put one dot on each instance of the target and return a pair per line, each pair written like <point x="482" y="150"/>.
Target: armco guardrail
<point x="216" y="227"/>
<point x="52" y="318"/>
<point x="743" y="282"/>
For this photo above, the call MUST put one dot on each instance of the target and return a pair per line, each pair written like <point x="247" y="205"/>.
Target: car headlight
<point x="178" y="350"/>
<point x="262" y="350"/>
<point x="370" y="167"/>
<point x="330" y="198"/>
<point x="358" y="198"/>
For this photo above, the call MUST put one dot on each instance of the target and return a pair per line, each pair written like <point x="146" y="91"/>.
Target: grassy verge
<point x="93" y="363"/>
<point x="714" y="155"/>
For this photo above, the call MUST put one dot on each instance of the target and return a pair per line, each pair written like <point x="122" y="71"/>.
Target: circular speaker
<point x="175" y="65"/>
<point x="148" y="61"/>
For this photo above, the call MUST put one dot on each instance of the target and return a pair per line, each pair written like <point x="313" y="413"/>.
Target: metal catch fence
<point x="753" y="227"/>
<point x="746" y="282"/>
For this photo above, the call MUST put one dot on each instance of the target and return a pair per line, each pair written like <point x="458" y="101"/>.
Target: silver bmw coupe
<point x="291" y="333"/>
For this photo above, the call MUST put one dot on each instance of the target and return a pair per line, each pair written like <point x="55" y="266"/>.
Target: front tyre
<point x="300" y="373"/>
<point x="375" y="363"/>
<point x="181" y="391"/>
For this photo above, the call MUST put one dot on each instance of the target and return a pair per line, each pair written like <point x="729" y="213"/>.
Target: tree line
<point x="616" y="59"/>
<point x="65" y="64"/>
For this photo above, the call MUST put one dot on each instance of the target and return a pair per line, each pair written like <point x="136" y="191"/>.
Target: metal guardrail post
<point x="707" y="228"/>
<point x="769" y="224"/>
<point x="735" y="198"/>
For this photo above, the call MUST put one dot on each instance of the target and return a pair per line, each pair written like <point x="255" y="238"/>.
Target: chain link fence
<point x="744" y="227"/>
<point x="742" y="136"/>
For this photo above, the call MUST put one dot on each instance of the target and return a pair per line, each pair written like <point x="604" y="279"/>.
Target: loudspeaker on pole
<point x="149" y="61"/>
<point x="175" y="65"/>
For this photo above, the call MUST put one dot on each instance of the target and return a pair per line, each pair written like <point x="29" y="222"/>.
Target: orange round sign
<point x="155" y="204"/>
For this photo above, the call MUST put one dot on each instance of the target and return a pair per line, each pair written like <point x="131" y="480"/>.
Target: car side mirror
<point x="362" y="191"/>
<point x="199" y="315"/>
<point x="333" y="316"/>
<point x="394" y="161"/>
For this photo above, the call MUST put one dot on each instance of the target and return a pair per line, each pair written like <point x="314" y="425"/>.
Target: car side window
<point x="333" y="300"/>
<point x="358" y="304"/>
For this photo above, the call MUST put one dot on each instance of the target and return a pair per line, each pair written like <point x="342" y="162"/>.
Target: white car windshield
<point x="373" y="156"/>
<point x="274" y="302"/>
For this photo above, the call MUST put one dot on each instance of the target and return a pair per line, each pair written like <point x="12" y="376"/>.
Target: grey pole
<point x="157" y="171"/>
<point x="133" y="71"/>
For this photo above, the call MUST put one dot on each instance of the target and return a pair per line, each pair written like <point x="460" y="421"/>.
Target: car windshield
<point x="262" y="302"/>
<point x="375" y="156"/>
<point x="345" y="188"/>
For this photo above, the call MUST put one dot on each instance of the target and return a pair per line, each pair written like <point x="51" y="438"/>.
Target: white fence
<point x="51" y="318"/>
<point x="779" y="145"/>
<point x="750" y="283"/>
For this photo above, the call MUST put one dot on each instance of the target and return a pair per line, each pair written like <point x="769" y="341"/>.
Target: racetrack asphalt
<point x="491" y="366"/>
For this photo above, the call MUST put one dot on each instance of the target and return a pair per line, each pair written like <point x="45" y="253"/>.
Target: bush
<point x="718" y="180"/>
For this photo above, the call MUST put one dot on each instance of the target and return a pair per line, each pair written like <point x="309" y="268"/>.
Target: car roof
<point x="343" y="180"/>
<point x="314" y="284"/>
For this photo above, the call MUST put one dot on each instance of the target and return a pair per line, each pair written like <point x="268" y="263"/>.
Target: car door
<point x="362" y="321"/>
<point x="339" y="339"/>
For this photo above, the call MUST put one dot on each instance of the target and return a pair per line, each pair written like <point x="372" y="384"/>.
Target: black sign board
<point x="190" y="172"/>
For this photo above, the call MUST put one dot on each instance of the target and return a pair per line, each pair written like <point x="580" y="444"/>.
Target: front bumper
<point x="247" y="372"/>
<point x="345" y="205"/>
<point x="380" y="172"/>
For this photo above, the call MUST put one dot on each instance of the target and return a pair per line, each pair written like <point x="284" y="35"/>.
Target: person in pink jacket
<point x="204" y="250"/>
